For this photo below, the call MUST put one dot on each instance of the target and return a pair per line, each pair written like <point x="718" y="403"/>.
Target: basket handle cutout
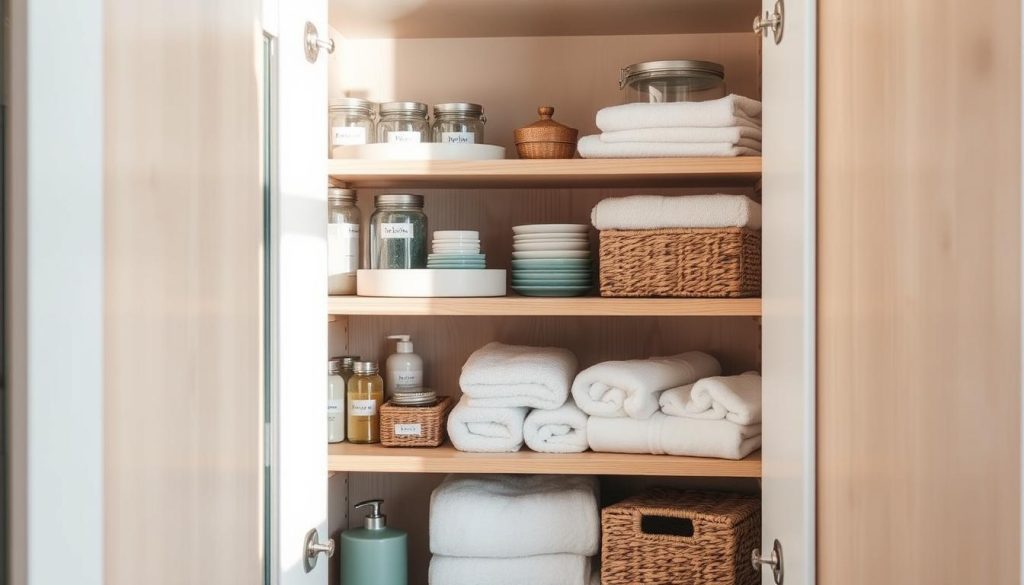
<point x="666" y="526"/>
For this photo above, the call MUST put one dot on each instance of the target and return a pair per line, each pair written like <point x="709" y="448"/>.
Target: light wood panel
<point x="183" y="221"/>
<point x="539" y="306"/>
<point x="919" y="292"/>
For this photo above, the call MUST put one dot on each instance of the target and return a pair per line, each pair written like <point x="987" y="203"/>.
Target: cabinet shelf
<point x="542" y="306"/>
<point x="663" y="172"/>
<point x="446" y="459"/>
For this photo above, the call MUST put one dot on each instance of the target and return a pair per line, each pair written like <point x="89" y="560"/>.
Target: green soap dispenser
<point x="374" y="554"/>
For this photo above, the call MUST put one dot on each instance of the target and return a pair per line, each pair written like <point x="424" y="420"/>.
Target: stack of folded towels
<point x="514" y="529"/>
<point x="730" y="126"/>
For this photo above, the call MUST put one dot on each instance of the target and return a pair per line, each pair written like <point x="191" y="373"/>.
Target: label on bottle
<point x="458" y="138"/>
<point x="408" y="380"/>
<point x="404" y="137"/>
<point x="347" y="135"/>
<point x="362" y="407"/>
<point x="335" y="408"/>
<point x="397" y="231"/>
<point x="342" y="247"/>
<point x="409" y="430"/>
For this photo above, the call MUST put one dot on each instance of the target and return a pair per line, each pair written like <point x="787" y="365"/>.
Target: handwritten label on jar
<point x="334" y="408"/>
<point x="409" y="429"/>
<point x="362" y="407"/>
<point x="458" y="138"/>
<point x="403" y="137"/>
<point x="407" y="381"/>
<point x="342" y="247"/>
<point x="347" y="135"/>
<point x="397" y="231"/>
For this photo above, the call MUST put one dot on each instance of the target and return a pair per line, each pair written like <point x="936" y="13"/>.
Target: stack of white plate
<point x="551" y="260"/>
<point x="456" y="249"/>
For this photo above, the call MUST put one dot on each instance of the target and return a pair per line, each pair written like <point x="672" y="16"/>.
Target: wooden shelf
<point x="445" y="459"/>
<point x="543" y="306"/>
<point x="665" y="172"/>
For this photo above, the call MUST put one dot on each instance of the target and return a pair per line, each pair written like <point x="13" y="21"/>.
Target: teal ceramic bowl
<point x="551" y="281"/>
<point x="552" y="263"/>
<point x="552" y="291"/>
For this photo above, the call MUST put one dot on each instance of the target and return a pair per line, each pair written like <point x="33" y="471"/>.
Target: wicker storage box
<point x="414" y="426"/>
<point x="697" y="262"/>
<point x="672" y="537"/>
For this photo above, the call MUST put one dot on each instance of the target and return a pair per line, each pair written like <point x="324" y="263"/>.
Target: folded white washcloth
<point x="631" y="387"/>
<point x="648" y="212"/>
<point x="515" y="516"/>
<point x="732" y="110"/>
<point x="562" y="430"/>
<point x="486" y="430"/>
<point x="733" y="398"/>
<point x="558" y="569"/>
<point x="518" y="375"/>
<point x="663" y="434"/>
<point x="593" y="147"/>
<point x="731" y="134"/>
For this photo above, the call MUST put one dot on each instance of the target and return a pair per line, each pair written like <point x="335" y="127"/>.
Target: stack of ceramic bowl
<point x="456" y="249"/>
<point x="551" y="260"/>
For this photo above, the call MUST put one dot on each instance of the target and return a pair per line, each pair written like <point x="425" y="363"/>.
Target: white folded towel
<point x="733" y="398"/>
<point x="731" y="134"/>
<point x="663" y="434"/>
<point x="558" y="569"/>
<point x="593" y="147"/>
<point x="518" y="375"/>
<point x="515" y="516"/>
<point x="648" y="212"/>
<point x="631" y="387"/>
<point x="486" y="430"/>
<point x="732" y="110"/>
<point x="562" y="430"/>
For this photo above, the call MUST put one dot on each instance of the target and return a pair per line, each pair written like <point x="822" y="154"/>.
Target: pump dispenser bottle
<point x="374" y="554"/>
<point x="403" y="372"/>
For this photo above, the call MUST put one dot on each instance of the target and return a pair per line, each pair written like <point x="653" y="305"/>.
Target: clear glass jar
<point x="398" y="232"/>
<point x="403" y="123"/>
<point x="336" y="390"/>
<point x="343" y="220"/>
<point x="672" y="81"/>
<point x="459" y="123"/>
<point x="351" y="123"/>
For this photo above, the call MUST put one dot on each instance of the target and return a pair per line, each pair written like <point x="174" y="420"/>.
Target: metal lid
<point x="364" y="367"/>
<point x="408" y="199"/>
<point x="425" y="397"/>
<point x="350" y="103"/>
<point x="346" y="361"/>
<point x="339" y="194"/>
<point x="676" y="68"/>
<point x="415" y="108"/>
<point x="334" y="366"/>
<point x="459" y="108"/>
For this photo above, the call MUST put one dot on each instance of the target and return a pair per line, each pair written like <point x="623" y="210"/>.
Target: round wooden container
<point x="546" y="138"/>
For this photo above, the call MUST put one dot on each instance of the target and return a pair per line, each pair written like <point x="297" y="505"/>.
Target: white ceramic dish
<point x="431" y="283"/>
<point x="457" y="235"/>
<point x="551" y="228"/>
<point x="547" y="237"/>
<point x="423" y="151"/>
<point x="458" y="256"/>
<point x="542" y="246"/>
<point x="546" y="255"/>
<point x="472" y="248"/>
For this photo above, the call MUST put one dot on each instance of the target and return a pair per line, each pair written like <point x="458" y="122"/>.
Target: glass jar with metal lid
<point x="351" y="122"/>
<point x="403" y="123"/>
<point x="398" y="232"/>
<point x="672" y="81"/>
<point x="459" y="123"/>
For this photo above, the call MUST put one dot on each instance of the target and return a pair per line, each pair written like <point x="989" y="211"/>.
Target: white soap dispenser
<point x="404" y="370"/>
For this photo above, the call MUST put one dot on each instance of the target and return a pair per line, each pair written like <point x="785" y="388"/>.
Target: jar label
<point x="342" y="248"/>
<point x="409" y="429"/>
<point x="458" y="138"/>
<point x="334" y="408"/>
<point x="403" y="137"/>
<point x="347" y="135"/>
<point x="408" y="380"/>
<point x="362" y="407"/>
<point x="397" y="231"/>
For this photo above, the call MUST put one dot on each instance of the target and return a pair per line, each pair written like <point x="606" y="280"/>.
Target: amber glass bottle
<point x="365" y="395"/>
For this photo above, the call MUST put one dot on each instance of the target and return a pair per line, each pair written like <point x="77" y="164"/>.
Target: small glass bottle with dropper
<point x="365" y="395"/>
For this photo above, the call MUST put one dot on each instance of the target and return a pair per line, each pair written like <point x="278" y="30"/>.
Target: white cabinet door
<point x="788" y="282"/>
<point x="298" y="291"/>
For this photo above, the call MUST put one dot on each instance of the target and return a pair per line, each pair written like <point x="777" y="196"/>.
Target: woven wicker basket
<point x="671" y="537"/>
<point x="414" y="426"/>
<point x="698" y="262"/>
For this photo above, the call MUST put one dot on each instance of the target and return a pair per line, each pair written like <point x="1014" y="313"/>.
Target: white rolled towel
<point x="556" y="569"/>
<point x="593" y="147"/>
<point x="731" y="135"/>
<point x="663" y="434"/>
<point x="733" y="398"/>
<point x="515" y="516"/>
<point x="650" y="212"/>
<point x="632" y="387"/>
<point x="562" y="430"/>
<point x="518" y="375"/>
<point x="486" y="430"/>
<point x="731" y="110"/>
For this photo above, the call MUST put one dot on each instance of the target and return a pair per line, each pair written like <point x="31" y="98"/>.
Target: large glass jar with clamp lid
<point x="351" y="123"/>
<point x="672" y="81"/>
<point x="403" y="123"/>
<point x="398" y="232"/>
<point x="459" y="123"/>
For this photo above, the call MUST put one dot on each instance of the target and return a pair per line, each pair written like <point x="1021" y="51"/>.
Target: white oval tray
<point x="430" y="282"/>
<point x="421" y="151"/>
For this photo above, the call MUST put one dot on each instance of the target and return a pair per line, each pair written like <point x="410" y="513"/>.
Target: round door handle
<point x="314" y="43"/>
<point x="774" y="561"/>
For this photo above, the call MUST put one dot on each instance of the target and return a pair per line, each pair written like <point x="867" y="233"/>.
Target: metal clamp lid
<point x="674" y="67"/>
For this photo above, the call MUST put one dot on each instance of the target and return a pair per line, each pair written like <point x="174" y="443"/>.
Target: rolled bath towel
<point x="515" y="516"/>
<point x="486" y="430"/>
<point x="663" y="434"/>
<point x="518" y="375"/>
<point x="733" y="398"/>
<point x="631" y="387"/>
<point x="562" y="430"/>
<point x="732" y="135"/>
<point x="732" y="110"/>
<point x="557" y="569"/>
<point x="592" y="147"/>
<point x="651" y="212"/>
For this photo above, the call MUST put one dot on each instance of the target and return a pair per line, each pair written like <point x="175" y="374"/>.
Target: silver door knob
<point x="774" y="561"/>
<point x="313" y="548"/>
<point x="314" y="43"/>
<point x="771" y="21"/>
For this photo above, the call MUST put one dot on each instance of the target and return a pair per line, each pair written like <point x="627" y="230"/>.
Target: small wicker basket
<point x="546" y="138"/>
<point x="414" y="426"/>
<point x="692" y="262"/>
<point x="671" y="537"/>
